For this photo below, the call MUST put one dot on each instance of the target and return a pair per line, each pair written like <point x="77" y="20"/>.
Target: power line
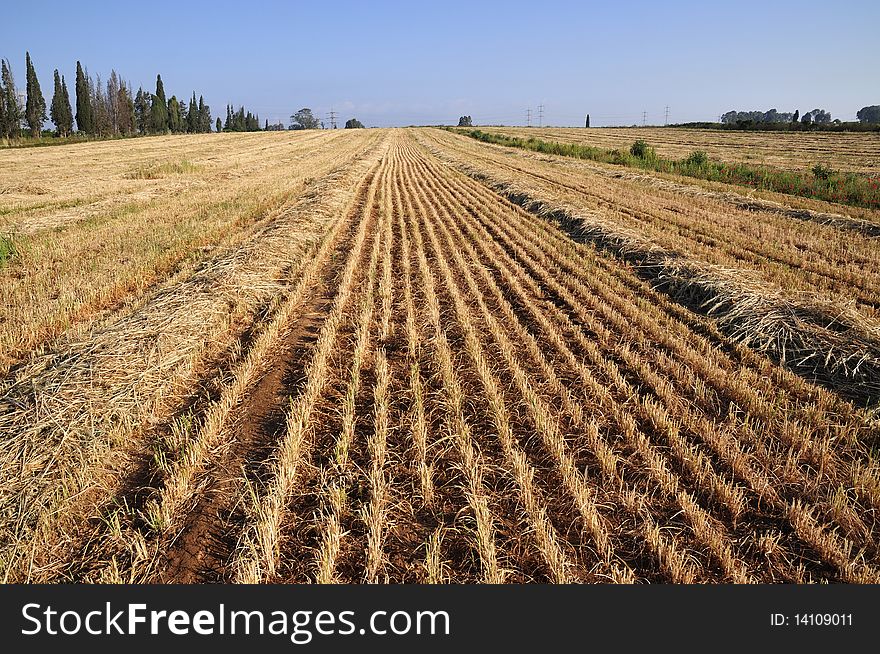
<point x="540" y="115"/>
<point x="528" y="117"/>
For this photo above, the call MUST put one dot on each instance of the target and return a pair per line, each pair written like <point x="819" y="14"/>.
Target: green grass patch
<point x="7" y="249"/>
<point x="820" y="183"/>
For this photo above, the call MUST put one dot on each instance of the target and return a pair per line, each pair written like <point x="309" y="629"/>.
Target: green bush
<point x="697" y="158"/>
<point x="822" y="171"/>
<point x="642" y="150"/>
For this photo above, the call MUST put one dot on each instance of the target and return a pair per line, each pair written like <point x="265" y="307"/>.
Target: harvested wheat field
<point x="855" y="152"/>
<point x="406" y="356"/>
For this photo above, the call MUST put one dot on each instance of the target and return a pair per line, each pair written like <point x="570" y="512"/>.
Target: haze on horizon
<point x="399" y="63"/>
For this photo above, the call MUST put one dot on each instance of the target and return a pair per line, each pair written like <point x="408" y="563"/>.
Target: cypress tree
<point x="228" y="125"/>
<point x="84" y="120"/>
<point x="35" y="107"/>
<point x="175" y="124"/>
<point x="193" y="116"/>
<point x="142" y="111"/>
<point x="2" y="109"/>
<point x="160" y="89"/>
<point x="11" y="108"/>
<point x="127" y="118"/>
<point x="65" y="105"/>
<point x="204" y="116"/>
<point x="159" y="116"/>
<point x="56" y="110"/>
<point x="219" y="125"/>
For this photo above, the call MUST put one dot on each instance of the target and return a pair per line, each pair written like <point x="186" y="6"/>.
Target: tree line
<point x="240" y="121"/>
<point x="866" y="115"/>
<point x="98" y="109"/>
<point x="817" y="116"/>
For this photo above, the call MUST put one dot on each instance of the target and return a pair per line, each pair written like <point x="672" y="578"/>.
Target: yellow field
<point x="858" y="152"/>
<point x="406" y="356"/>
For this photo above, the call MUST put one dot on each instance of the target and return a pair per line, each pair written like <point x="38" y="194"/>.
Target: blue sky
<point x="399" y="63"/>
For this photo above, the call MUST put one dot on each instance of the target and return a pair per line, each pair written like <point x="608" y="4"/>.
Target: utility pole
<point x="644" y="117"/>
<point x="332" y="118"/>
<point x="666" y="119"/>
<point x="528" y="117"/>
<point x="540" y="115"/>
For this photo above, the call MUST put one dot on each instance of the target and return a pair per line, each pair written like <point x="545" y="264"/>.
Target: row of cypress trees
<point x="101" y="111"/>
<point x="239" y="121"/>
<point x="11" y="111"/>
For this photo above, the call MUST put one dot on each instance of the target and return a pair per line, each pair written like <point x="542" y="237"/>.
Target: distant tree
<point x="251" y="123"/>
<point x="112" y="100"/>
<point x="142" y="111"/>
<point x="68" y="111"/>
<point x="175" y="118"/>
<point x="193" y="117"/>
<point x="266" y="128"/>
<point x="84" y="118"/>
<point x="59" y="109"/>
<point x="465" y="121"/>
<point x="158" y="115"/>
<point x="159" y="109"/>
<point x="100" y="109"/>
<point x="160" y="89"/>
<point x="796" y="117"/>
<point x="204" y="116"/>
<point x="2" y="109"/>
<point x="807" y="119"/>
<point x="11" y="126"/>
<point x="869" y="114"/>
<point x="303" y="119"/>
<point x="127" y="119"/>
<point x="12" y="113"/>
<point x="820" y="116"/>
<point x="35" y="105"/>
<point x="353" y="123"/>
<point x="219" y="125"/>
<point x="587" y="123"/>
